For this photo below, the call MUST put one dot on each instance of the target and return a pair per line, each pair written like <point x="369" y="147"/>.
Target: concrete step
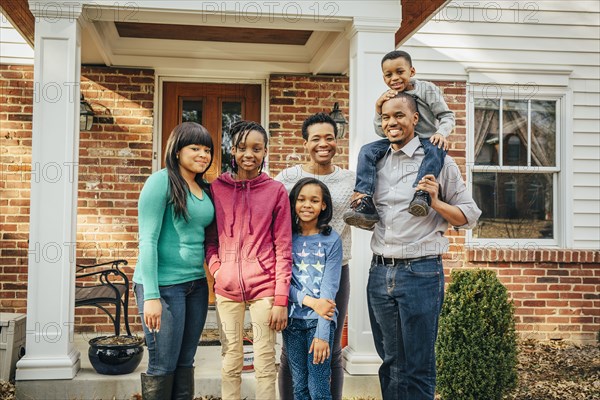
<point x="88" y="384"/>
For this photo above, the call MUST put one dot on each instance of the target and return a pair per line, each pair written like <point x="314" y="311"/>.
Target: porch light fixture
<point x="86" y="115"/>
<point x="337" y="115"/>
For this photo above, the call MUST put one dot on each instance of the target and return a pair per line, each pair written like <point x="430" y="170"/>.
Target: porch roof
<point x="283" y="37"/>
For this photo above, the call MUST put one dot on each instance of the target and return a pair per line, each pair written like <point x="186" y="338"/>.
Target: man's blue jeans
<point x="310" y="381"/>
<point x="371" y="153"/>
<point x="404" y="301"/>
<point x="184" y="309"/>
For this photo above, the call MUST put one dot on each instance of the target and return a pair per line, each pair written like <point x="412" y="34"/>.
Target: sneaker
<point x="419" y="206"/>
<point x="363" y="214"/>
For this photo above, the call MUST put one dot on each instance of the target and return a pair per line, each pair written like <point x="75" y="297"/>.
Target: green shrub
<point x="476" y="347"/>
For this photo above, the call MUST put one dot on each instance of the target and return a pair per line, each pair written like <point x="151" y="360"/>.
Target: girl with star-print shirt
<point x="316" y="269"/>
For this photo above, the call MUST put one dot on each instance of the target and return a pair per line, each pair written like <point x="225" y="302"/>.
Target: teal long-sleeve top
<point x="171" y="250"/>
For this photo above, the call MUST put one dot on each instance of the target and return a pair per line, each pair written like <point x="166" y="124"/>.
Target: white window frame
<point x="561" y="199"/>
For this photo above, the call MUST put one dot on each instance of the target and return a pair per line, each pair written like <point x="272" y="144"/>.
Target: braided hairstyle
<point x="239" y="132"/>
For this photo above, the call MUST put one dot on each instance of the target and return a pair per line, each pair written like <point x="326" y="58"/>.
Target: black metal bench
<point x="110" y="287"/>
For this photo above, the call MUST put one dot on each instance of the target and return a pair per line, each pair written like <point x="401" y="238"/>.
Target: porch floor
<point x="88" y="384"/>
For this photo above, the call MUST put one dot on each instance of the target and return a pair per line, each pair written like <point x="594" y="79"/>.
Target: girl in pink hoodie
<point x="248" y="251"/>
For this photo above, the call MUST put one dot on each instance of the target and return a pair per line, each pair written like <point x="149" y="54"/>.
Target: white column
<point x="53" y="210"/>
<point x="368" y="44"/>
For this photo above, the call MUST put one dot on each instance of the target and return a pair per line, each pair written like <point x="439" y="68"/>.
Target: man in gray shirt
<point x="406" y="279"/>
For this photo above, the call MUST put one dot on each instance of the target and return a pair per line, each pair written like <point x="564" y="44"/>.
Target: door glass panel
<point x="192" y="111"/>
<point x="232" y="113"/>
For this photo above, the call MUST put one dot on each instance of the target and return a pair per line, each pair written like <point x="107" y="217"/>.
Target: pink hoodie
<point x="251" y="243"/>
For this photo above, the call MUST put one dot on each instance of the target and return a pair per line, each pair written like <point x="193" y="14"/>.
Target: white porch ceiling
<point x="326" y="51"/>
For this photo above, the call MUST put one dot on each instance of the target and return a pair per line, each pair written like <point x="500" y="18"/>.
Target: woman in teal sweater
<point x="169" y="280"/>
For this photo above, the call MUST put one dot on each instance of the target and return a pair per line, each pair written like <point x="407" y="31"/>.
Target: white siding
<point x="540" y="35"/>
<point x="13" y="48"/>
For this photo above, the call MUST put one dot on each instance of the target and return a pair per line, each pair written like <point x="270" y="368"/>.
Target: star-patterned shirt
<point x="316" y="270"/>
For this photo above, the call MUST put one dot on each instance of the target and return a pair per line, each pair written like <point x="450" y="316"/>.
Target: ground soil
<point x="119" y="340"/>
<point x="558" y="371"/>
<point x="547" y="371"/>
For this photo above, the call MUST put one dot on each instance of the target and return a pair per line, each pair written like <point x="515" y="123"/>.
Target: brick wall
<point x="292" y="99"/>
<point x="455" y="96"/>
<point x="16" y="99"/>
<point x="555" y="291"/>
<point x="115" y="158"/>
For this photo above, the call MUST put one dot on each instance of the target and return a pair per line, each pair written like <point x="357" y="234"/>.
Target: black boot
<point x="183" y="384"/>
<point x="419" y="206"/>
<point x="157" y="387"/>
<point x="363" y="214"/>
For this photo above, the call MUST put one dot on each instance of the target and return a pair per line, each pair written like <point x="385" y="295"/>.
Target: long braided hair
<point x="239" y="132"/>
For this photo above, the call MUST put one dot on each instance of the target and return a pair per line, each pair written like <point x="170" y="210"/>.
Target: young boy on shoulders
<point x="436" y="122"/>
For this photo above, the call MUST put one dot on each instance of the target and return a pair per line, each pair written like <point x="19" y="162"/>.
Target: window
<point x="516" y="167"/>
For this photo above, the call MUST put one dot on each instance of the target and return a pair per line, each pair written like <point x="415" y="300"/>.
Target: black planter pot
<point x="115" y="359"/>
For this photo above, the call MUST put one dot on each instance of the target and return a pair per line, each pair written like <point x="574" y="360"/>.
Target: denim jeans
<point x="337" y="369"/>
<point x="184" y="309"/>
<point x="311" y="381"/>
<point x="371" y="153"/>
<point x="404" y="301"/>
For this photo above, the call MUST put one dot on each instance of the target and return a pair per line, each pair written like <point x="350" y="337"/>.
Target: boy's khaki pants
<point x="231" y="315"/>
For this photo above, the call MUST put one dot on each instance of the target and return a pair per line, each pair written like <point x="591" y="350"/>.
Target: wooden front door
<point x="216" y="107"/>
